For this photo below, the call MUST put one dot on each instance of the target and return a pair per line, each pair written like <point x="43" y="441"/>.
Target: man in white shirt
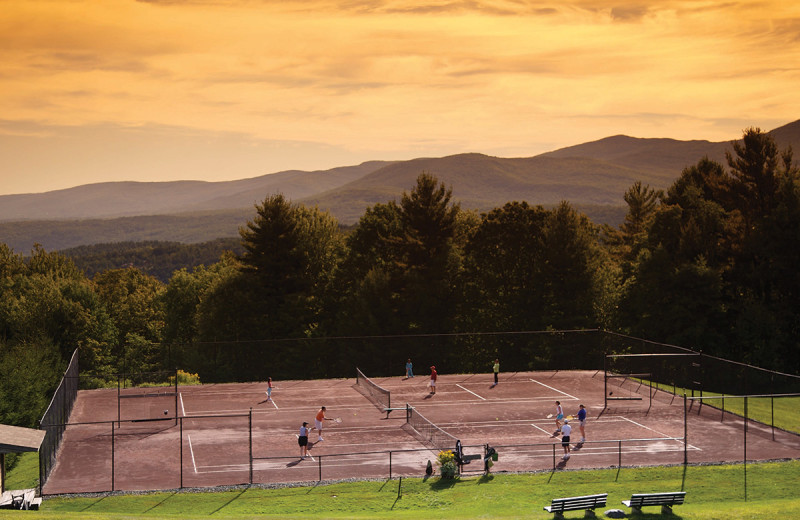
<point x="565" y="431"/>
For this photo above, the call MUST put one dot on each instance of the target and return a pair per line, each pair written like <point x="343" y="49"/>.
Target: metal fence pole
<point x="112" y="455"/>
<point x="319" y="462"/>
<point x="181" y="448"/>
<point x="250" y="429"/>
<point x="390" y="464"/>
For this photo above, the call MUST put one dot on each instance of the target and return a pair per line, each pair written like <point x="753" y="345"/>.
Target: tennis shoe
<point x="320" y="439"/>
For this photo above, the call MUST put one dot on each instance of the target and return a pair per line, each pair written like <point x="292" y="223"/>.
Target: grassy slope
<point x="712" y="492"/>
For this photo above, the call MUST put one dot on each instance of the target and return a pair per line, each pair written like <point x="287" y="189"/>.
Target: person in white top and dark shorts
<point x="565" y="431"/>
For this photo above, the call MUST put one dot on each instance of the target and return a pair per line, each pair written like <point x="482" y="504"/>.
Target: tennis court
<point x="228" y="434"/>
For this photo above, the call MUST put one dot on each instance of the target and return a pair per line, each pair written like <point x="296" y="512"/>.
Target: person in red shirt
<point x="318" y="422"/>
<point x="434" y="376"/>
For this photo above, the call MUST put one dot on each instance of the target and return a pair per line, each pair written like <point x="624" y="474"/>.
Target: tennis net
<point x="379" y="396"/>
<point x="432" y="434"/>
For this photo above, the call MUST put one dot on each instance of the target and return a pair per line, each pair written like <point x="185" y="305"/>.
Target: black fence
<point x="163" y="454"/>
<point x="56" y="416"/>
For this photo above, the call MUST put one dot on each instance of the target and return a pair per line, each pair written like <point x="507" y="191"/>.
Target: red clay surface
<point x="202" y="448"/>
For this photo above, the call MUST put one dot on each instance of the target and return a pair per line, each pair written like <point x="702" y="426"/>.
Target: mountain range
<point x="592" y="176"/>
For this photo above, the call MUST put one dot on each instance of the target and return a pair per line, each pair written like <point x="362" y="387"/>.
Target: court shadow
<point x="485" y="479"/>
<point x="578" y="447"/>
<point x="428" y="396"/>
<point x="293" y="463"/>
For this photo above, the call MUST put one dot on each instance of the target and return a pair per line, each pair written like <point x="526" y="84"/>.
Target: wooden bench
<point x="588" y="503"/>
<point x="21" y="499"/>
<point x="665" y="500"/>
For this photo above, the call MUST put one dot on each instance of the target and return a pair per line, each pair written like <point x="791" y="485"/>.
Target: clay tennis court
<point x="228" y="434"/>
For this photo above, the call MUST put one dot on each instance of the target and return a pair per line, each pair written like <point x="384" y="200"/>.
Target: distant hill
<point x="120" y="199"/>
<point x="593" y="177"/>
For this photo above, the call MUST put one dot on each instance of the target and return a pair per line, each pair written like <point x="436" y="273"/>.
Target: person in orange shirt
<point x="318" y="422"/>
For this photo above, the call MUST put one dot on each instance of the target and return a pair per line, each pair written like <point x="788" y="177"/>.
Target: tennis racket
<point x="570" y="417"/>
<point x="549" y="416"/>
<point x="337" y="419"/>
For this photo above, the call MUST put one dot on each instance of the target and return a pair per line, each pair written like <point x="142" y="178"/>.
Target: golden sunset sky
<point x="110" y="90"/>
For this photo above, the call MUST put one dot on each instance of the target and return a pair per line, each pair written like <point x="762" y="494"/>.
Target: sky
<point x="215" y="90"/>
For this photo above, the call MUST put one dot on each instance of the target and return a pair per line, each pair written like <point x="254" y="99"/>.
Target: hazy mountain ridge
<point x="129" y="198"/>
<point x="591" y="176"/>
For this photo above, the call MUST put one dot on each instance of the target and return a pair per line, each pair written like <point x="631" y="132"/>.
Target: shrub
<point x="447" y="464"/>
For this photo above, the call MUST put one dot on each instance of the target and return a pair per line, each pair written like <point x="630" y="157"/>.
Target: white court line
<point x="549" y="434"/>
<point x="554" y="389"/>
<point x="470" y="391"/>
<point x="183" y="408"/>
<point x="271" y="400"/>
<point x="191" y="450"/>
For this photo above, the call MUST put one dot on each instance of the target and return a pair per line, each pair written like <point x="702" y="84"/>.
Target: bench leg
<point x="666" y="510"/>
<point x="589" y="514"/>
<point x="558" y="515"/>
<point x="636" y="510"/>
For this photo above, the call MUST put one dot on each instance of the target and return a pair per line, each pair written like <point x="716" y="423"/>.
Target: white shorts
<point x="433" y="383"/>
<point x="318" y="424"/>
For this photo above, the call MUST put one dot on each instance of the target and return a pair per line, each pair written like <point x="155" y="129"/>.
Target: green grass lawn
<point x="713" y="492"/>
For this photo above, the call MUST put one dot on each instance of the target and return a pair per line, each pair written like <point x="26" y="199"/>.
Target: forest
<point x="710" y="264"/>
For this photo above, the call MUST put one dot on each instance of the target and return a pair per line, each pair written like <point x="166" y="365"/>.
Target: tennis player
<point x="559" y="415"/>
<point x="269" y="389"/>
<point x="318" y="420"/>
<point x="302" y="440"/>
<point x="434" y="376"/>
<point x="582" y="422"/>
<point x="565" y="431"/>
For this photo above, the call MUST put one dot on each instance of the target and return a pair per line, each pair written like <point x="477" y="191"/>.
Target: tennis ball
<point x="496" y="418"/>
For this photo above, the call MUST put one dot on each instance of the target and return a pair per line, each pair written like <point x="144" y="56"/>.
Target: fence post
<point x="390" y="464"/>
<point x="112" y="455"/>
<point x="685" y="433"/>
<point x="180" y="440"/>
<point x="619" y="466"/>
<point x="319" y="462"/>
<point x="745" y="448"/>
<point x="250" y="430"/>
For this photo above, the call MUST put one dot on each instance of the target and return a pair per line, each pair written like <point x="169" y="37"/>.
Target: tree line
<point x="710" y="264"/>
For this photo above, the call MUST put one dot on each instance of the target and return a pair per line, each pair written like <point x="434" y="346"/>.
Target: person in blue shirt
<point x="582" y="422"/>
<point x="409" y="369"/>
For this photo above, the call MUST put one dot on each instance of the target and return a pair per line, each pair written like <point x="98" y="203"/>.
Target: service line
<point x="470" y="391"/>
